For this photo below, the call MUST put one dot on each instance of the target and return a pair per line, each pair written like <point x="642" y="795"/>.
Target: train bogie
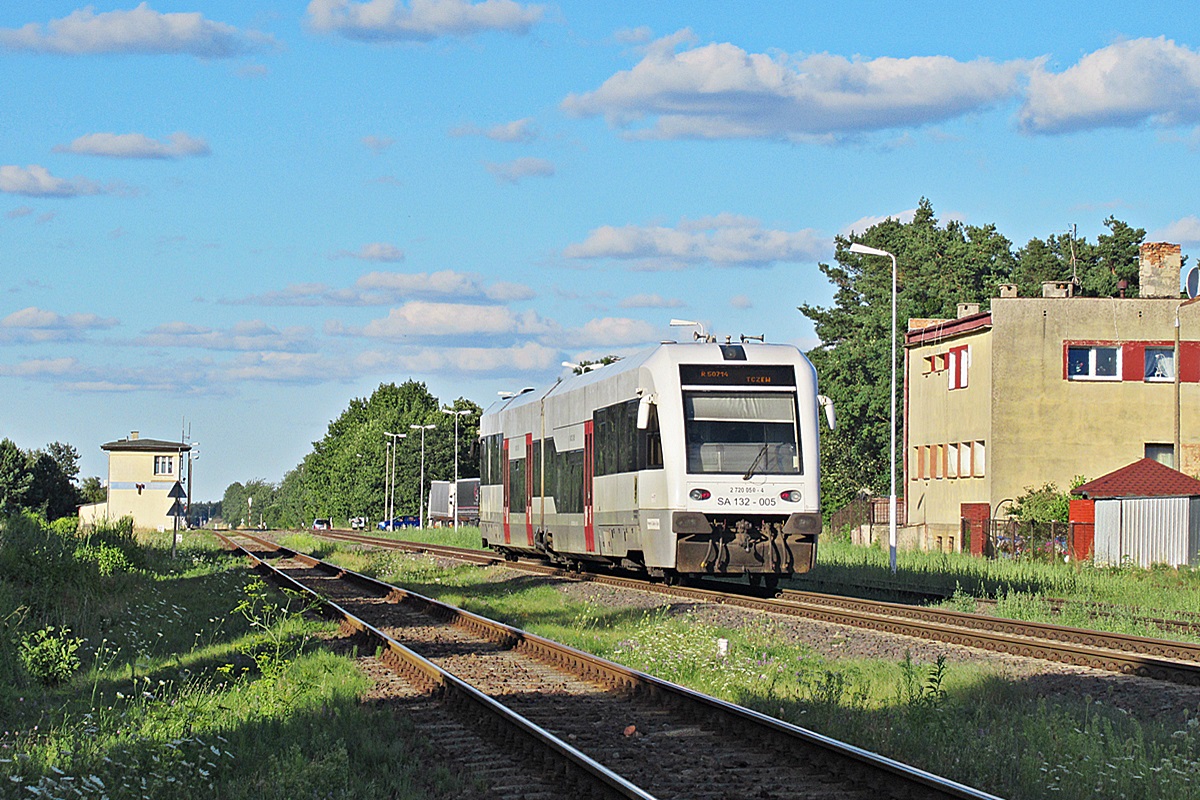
<point x="689" y="459"/>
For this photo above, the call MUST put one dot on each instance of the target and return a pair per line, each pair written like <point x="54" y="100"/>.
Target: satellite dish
<point x="1192" y="282"/>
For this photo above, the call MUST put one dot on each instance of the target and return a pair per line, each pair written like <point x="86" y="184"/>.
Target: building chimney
<point x="1158" y="269"/>
<point x="1008" y="290"/>
<point x="1058" y="289"/>
<point x="967" y="309"/>
<point x="133" y="435"/>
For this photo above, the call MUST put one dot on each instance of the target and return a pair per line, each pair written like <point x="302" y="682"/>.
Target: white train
<point x="688" y="459"/>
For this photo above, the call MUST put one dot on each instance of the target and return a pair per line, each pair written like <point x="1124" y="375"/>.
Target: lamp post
<point x="456" y="415"/>
<point x="389" y="489"/>
<point x="421" y="491"/>
<point x="862" y="249"/>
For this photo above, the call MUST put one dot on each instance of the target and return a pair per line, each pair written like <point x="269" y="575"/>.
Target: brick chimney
<point x="133" y="435"/>
<point x="1158" y="269"/>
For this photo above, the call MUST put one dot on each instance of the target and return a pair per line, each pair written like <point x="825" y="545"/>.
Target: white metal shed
<point x="1146" y="513"/>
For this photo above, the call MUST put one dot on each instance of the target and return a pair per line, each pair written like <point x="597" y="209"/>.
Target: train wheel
<point x="755" y="578"/>
<point x="772" y="583"/>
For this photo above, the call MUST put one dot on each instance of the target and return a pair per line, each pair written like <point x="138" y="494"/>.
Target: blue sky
<point x="242" y="215"/>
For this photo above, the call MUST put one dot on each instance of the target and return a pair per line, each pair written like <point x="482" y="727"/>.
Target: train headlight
<point x="791" y="495"/>
<point x="700" y="494"/>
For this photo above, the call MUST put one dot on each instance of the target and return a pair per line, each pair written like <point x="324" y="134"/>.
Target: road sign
<point x="177" y="492"/>
<point x="1193" y="282"/>
<point x="176" y="510"/>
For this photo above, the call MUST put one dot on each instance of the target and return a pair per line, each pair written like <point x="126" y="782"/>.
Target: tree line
<point x="938" y="267"/>
<point x="44" y="481"/>
<point x="344" y="476"/>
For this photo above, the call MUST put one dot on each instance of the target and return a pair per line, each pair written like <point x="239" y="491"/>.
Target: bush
<point x="50" y="658"/>
<point x="1046" y="504"/>
<point x="109" y="560"/>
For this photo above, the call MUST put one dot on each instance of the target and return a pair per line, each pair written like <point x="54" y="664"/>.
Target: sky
<point x="228" y="219"/>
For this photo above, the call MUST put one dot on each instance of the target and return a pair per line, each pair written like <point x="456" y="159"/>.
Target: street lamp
<point x="421" y="492"/>
<point x="389" y="488"/>
<point x="456" y="415"/>
<point x="863" y="250"/>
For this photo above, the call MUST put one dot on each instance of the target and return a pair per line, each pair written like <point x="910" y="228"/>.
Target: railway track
<point x="1161" y="659"/>
<point x="1185" y="622"/>
<point x="622" y="733"/>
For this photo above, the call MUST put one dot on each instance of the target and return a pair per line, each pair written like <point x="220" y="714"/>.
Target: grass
<point x="466" y="536"/>
<point x="188" y="678"/>
<point x="1015" y="737"/>
<point x="1020" y="587"/>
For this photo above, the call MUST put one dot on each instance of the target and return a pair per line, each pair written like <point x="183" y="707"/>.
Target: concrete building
<point x="141" y="473"/>
<point x="1046" y="389"/>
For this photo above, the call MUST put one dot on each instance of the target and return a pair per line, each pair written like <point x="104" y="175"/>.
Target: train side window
<point x="649" y="443"/>
<point x="490" y="457"/>
<point x="516" y="483"/>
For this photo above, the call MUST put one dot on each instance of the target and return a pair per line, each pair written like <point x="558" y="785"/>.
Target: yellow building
<point x="1046" y="389"/>
<point x="141" y="474"/>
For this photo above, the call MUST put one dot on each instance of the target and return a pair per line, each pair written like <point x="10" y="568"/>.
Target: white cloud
<point x="521" y="168"/>
<point x="508" y="292"/>
<point x="36" y="181"/>
<point x="377" y="144"/>
<point x="135" y="145"/>
<point x="41" y="368"/>
<point x="741" y="301"/>
<point x="725" y="240"/>
<point x="639" y="35"/>
<point x="861" y="224"/>
<point x="520" y="130"/>
<point x="420" y="20"/>
<point x="420" y="319"/>
<point x="613" y="331"/>
<point x="140" y="30"/>
<point x="1185" y="230"/>
<point x="720" y="91"/>
<point x="37" y="325"/>
<point x="251" y="335"/>
<point x="650" y="301"/>
<point x="18" y="212"/>
<point x="375" y="251"/>
<point x="294" y="368"/>
<point x="384" y="288"/>
<point x="1122" y="85"/>
<point x="528" y="357"/>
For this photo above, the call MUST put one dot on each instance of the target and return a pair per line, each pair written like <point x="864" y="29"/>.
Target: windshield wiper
<point x="757" y="458"/>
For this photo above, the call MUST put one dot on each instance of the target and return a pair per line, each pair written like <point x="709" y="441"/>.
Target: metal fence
<point x="1010" y="538"/>
<point x="870" y="511"/>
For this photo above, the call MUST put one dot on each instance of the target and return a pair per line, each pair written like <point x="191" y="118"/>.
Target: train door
<point x="505" y="472"/>
<point x="589" y="473"/>
<point x="529" y="479"/>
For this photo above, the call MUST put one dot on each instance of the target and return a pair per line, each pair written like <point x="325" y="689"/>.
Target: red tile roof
<point x="1145" y="478"/>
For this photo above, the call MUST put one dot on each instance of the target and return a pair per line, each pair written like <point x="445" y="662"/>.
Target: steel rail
<point x="825" y="750"/>
<point x="1141" y="645"/>
<point x="1160" y="659"/>
<point x="412" y="665"/>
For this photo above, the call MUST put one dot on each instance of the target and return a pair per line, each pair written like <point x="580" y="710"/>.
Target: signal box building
<point x="1044" y="390"/>
<point x="141" y="474"/>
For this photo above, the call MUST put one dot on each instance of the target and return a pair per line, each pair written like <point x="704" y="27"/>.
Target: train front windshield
<point x="741" y="433"/>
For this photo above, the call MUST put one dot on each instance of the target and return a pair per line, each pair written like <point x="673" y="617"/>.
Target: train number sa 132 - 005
<point x="743" y="501"/>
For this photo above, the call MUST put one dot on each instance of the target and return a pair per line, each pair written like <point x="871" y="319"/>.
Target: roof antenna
<point x="1074" y="273"/>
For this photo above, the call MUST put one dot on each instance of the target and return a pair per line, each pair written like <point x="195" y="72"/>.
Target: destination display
<point x="737" y="375"/>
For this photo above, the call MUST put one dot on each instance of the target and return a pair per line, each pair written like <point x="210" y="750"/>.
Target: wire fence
<point x="1010" y="538"/>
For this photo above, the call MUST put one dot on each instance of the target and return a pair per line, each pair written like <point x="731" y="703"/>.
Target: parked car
<point x="320" y="524"/>
<point x="358" y="523"/>
<point x="399" y="522"/>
